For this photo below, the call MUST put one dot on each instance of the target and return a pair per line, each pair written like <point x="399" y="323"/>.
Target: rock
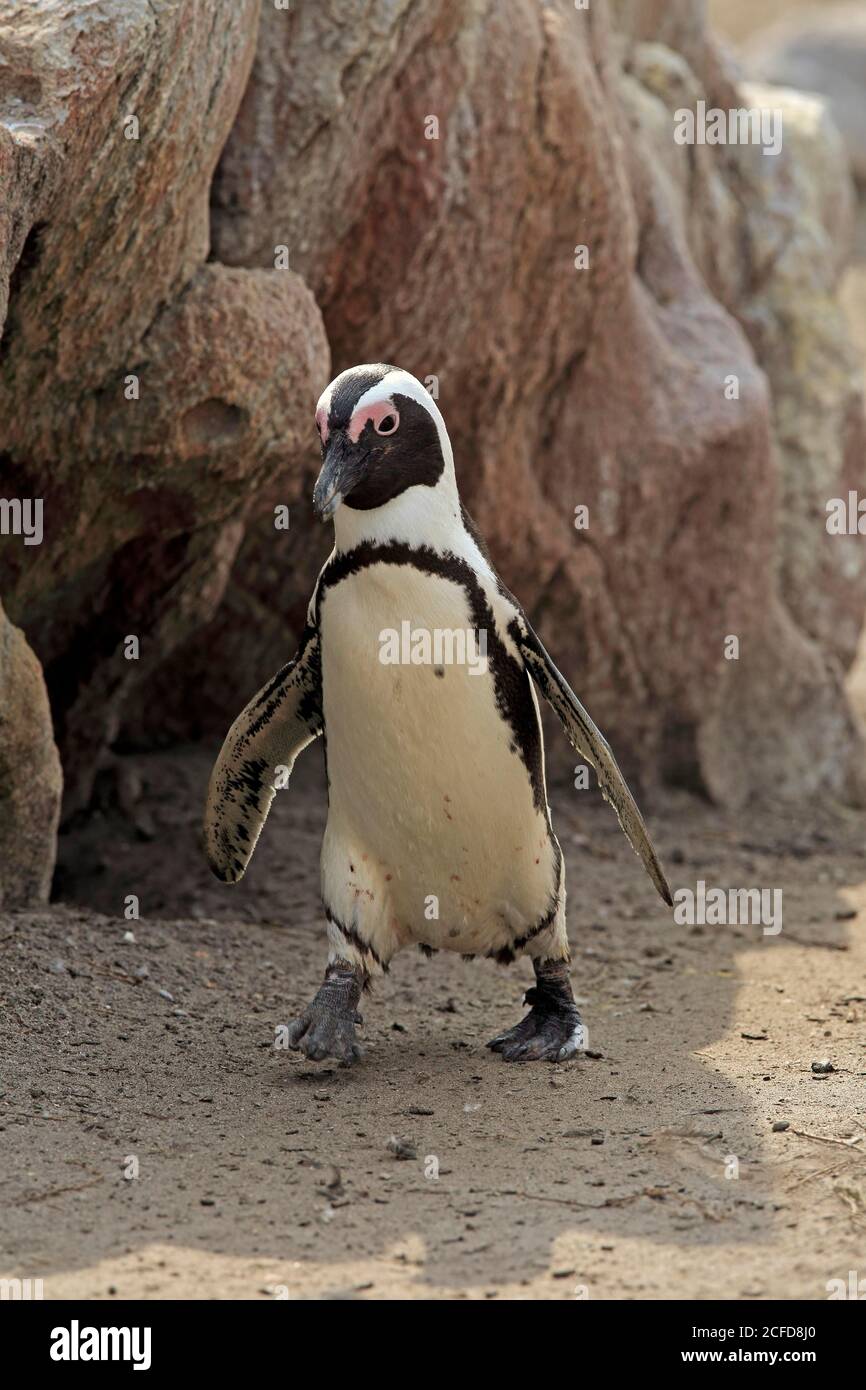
<point x="799" y="237"/>
<point x="162" y="393"/>
<point x="821" y="50"/>
<point x="603" y="386"/>
<point x="432" y="172"/>
<point x="404" y="1149"/>
<point x="31" y="780"/>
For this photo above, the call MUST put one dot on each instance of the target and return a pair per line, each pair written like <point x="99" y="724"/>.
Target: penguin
<point x="421" y="674"/>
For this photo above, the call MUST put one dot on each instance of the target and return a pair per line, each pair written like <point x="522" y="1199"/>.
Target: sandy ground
<point x="649" y="1169"/>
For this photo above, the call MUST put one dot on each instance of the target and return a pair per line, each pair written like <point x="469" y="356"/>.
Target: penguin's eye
<point x="382" y="415"/>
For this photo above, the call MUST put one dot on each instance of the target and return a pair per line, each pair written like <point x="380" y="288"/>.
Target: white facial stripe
<point x="361" y="371"/>
<point x="324" y="401"/>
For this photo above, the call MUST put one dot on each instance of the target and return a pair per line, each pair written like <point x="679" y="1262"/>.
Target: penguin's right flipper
<point x="591" y="743"/>
<point x="278" y="722"/>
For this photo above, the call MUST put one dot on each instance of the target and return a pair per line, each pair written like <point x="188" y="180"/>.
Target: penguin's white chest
<point x="434" y="833"/>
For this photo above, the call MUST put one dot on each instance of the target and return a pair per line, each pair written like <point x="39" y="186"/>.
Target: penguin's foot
<point x="326" y="1028"/>
<point x="552" y="1030"/>
<point x="541" y="1037"/>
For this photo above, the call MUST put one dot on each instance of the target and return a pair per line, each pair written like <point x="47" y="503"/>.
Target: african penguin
<point x="420" y="670"/>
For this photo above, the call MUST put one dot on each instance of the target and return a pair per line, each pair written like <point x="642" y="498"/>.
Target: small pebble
<point x="823" y="1067"/>
<point x="402" y="1148"/>
<point x="779" y="1126"/>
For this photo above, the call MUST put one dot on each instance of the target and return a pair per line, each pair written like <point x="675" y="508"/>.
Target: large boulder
<point x="432" y="170"/>
<point x="30" y="777"/>
<point x="146" y="393"/>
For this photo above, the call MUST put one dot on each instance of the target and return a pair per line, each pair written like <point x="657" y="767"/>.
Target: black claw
<point x="326" y="1028"/>
<point x="319" y="1033"/>
<point x="541" y="1036"/>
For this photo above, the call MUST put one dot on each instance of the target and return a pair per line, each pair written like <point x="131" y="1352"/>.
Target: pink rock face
<point x="497" y="202"/>
<point x="146" y="396"/>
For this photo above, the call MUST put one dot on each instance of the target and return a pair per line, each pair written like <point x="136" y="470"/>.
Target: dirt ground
<point x="648" y="1169"/>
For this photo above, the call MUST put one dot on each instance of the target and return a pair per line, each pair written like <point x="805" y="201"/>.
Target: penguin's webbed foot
<point x="541" y="1037"/>
<point x="326" y="1028"/>
<point x="552" y="1031"/>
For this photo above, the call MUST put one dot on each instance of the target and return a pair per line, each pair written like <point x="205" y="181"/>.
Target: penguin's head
<point x="381" y="433"/>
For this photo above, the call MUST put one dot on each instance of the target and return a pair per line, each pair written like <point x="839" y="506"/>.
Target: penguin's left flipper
<point x="592" y="745"/>
<point x="258" y="754"/>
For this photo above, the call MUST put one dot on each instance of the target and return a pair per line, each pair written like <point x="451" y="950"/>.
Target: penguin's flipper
<point x="278" y="722"/>
<point x="592" y="745"/>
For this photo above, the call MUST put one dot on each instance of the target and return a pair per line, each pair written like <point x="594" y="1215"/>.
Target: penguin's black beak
<point x="343" y="466"/>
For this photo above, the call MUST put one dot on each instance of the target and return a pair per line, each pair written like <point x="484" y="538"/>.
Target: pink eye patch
<point x="322" y="424"/>
<point x="382" y="414"/>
